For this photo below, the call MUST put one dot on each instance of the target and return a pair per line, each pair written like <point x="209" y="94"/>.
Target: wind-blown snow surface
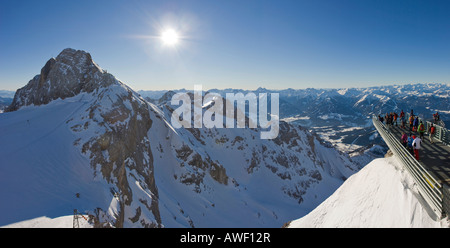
<point x="382" y="194"/>
<point x="45" y="222"/>
<point x="41" y="169"/>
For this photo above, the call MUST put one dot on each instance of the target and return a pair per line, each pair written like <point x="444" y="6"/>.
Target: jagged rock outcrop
<point x="112" y="128"/>
<point x="71" y="72"/>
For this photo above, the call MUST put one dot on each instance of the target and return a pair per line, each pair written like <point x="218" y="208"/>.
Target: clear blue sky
<point x="242" y="44"/>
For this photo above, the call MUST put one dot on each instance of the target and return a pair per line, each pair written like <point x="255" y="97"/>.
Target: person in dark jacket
<point x="415" y="124"/>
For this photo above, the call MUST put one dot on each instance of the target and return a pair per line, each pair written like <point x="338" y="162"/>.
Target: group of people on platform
<point x="411" y="142"/>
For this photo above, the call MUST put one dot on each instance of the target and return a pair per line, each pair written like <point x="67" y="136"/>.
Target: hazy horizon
<point x="272" y="89"/>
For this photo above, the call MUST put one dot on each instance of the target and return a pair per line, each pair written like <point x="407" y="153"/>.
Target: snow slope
<point x="382" y="194"/>
<point x="40" y="169"/>
<point x="46" y="222"/>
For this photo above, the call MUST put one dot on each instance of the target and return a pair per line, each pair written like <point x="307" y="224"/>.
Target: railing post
<point x="446" y="199"/>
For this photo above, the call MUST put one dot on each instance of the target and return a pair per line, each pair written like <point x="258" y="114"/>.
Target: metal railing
<point x="441" y="133"/>
<point x="429" y="187"/>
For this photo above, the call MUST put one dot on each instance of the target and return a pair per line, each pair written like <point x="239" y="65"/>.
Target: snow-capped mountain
<point x="343" y="116"/>
<point x="6" y="98"/>
<point x="75" y="137"/>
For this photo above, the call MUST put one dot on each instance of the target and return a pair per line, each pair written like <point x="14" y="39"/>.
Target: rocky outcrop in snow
<point x="71" y="72"/>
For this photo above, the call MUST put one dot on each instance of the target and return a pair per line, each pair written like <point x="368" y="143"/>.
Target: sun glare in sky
<point x="170" y="37"/>
<point x="235" y="44"/>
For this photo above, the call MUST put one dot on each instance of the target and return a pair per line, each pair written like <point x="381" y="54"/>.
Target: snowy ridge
<point x="382" y="194"/>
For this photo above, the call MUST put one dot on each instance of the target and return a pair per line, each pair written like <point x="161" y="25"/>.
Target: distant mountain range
<point x="342" y="116"/>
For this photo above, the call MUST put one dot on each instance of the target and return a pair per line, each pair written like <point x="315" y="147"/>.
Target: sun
<point x="170" y="37"/>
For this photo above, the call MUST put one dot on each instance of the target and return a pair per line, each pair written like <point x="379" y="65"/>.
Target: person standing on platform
<point x="431" y="131"/>
<point x="416" y="146"/>
<point x="404" y="140"/>
<point x="415" y="124"/>
<point x="421" y="129"/>
<point x="411" y="121"/>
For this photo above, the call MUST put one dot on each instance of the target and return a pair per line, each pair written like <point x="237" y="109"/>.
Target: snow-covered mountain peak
<point x="77" y="58"/>
<point x="108" y="153"/>
<point x="71" y="72"/>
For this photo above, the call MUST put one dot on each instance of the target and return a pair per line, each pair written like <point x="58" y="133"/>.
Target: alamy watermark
<point x="209" y="111"/>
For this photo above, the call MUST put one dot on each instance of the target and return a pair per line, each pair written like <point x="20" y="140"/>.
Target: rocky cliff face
<point x="111" y="127"/>
<point x="121" y="150"/>
<point x="158" y="176"/>
<point x="71" y="72"/>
